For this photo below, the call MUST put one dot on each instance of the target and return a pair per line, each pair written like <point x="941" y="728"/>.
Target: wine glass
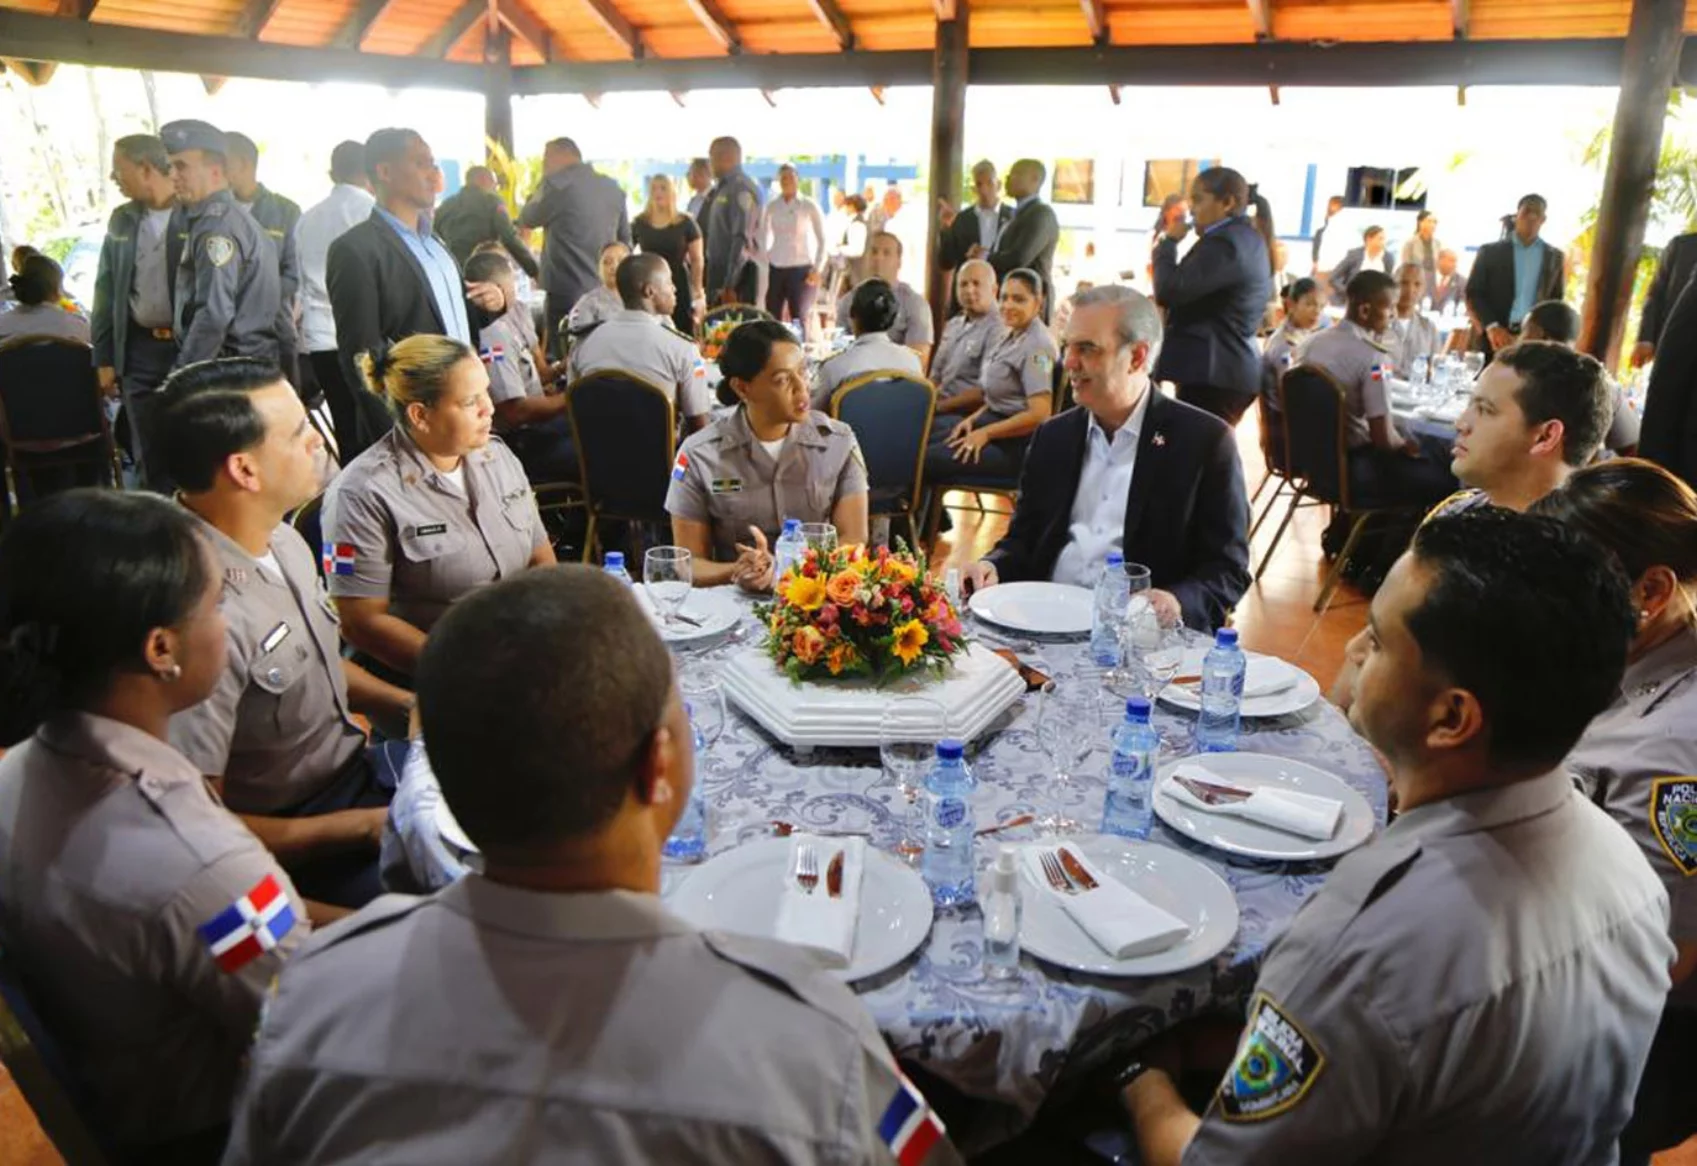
<point x="908" y="732"/>
<point x="668" y="573"/>
<point x="821" y="536"/>
<point x="1069" y="723"/>
<point x="1160" y="655"/>
<point x="1473" y="364"/>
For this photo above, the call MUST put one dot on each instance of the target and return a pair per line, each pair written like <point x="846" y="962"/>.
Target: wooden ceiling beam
<point x="618" y="27"/>
<point x="443" y="40"/>
<point x="254" y="17"/>
<point x="831" y="15"/>
<point x="366" y="13"/>
<point x="717" y="24"/>
<point x="1096" y="20"/>
<point x="1461" y="17"/>
<point x="35" y="73"/>
<point x="946" y="9"/>
<point x="1261" y="16"/>
<point x="77" y="9"/>
<point x="526" y="25"/>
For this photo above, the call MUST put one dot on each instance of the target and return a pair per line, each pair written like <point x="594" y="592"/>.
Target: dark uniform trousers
<point x="148" y="358"/>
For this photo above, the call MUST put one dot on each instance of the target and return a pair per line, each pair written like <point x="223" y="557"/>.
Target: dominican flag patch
<point x="908" y="1126"/>
<point x="249" y="927"/>
<point x="1379" y="373"/>
<point x="338" y="558"/>
<point x="679" y="466"/>
<point x="493" y="354"/>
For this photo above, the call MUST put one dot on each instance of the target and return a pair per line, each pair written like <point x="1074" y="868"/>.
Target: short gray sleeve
<point x="358" y="541"/>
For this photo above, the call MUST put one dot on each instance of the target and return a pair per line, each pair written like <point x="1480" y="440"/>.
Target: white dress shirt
<point x="1098" y="508"/>
<point x="989" y="225"/>
<point x="784" y="226"/>
<point x="320" y="226"/>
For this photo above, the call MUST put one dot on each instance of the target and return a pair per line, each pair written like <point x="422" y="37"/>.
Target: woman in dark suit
<point x="1215" y="297"/>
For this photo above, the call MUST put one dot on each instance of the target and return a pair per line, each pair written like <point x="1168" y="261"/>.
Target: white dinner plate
<point x="1054" y="609"/>
<point x="1294" y="699"/>
<point x="716" y="611"/>
<point x="448" y="826"/>
<point x="738" y="891"/>
<point x="1251" y="840"/>
<point x="1168" y="878"/>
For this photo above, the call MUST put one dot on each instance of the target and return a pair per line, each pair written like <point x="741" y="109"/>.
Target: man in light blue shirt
<point x="1512" y="274"/>
<point x="440" y="271"/>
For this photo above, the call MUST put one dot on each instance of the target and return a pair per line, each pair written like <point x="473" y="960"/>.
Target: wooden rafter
<point x="834" y="18"/>
<point x="1461" y="17"/>
<point x="366" y="13"/>
<point x="1096" y="19"/>
<point x="526" y="25"/>
<point x="717" y="24"/>
<point x="443" y="40"/>
<point x="1261" y="16"/>
<point x="35" y="73"/>
<point x="254" y="17"/>
<point x="946" y="9"/>
<point x="77" y="9"/>
<point x="617" y="26"/>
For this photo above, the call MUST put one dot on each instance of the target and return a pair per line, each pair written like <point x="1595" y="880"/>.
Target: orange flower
<point x="805" y="592"/>
<point x="910" y="641"/>
<point x="900" y="571"/>
<point x="840" y="657"/>
<point x="843" y="587"/>
<point x="808" y="643"/>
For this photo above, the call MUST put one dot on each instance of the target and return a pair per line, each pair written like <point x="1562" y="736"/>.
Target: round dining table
<point x="1006" y="1044"/>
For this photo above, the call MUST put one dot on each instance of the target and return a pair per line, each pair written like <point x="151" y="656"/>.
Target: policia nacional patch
<point x="1275" y="1065"/>
<point x="1673" y="817"/>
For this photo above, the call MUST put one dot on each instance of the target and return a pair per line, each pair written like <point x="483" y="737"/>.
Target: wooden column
<point x="948" y="142"/>
<point x="498" y="87"/>
<point x="1653" y="43"/>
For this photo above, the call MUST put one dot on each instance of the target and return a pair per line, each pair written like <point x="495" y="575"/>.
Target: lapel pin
<point x="1158" y="439"/>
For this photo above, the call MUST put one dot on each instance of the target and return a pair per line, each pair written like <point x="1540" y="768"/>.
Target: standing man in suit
<point x="1449" y="290"/>
<point x="972" y="233"/>
<point x="134" y="347"/>
<point x="1668" y="436"/>
<point x="1511" y="275"/>
<point x="347" y="205"/>
<point x="1372" y="255"/>
<point x="1129" y="471"/>
<point x="582" y="210"/>
<point x="277" y="216"/>
<point x="1029" y="236"/>
<point x="476" y="214"/>
<point x="390" y="278"/>
<point x="1678" y="261"/>
<point x="1216" y="296"/>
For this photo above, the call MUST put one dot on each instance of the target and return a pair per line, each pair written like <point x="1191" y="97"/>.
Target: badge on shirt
<point x="726" y="485"/>
<point x="1673" y="819"/>
<point x="699" y="372"/>
<point x="746" y="201"/>
<point x="430" y="529"/>
<point x="274" y="637"/>
<point x="1043" y="362"/>
<point x="338" y="558"/>
<point x="493" y="354"/>
<point x="680" y="466"/>
<point x="249" y="927"/>
<point x="1275" y="1065"/>
<point x="220" y="249"/>
<point x="908" y="1126"/>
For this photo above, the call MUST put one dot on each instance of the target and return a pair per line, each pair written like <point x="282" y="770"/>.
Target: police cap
<point x="192" y="135"/>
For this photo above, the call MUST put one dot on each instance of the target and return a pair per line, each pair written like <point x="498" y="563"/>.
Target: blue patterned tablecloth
<point x="1008" y="1043"/>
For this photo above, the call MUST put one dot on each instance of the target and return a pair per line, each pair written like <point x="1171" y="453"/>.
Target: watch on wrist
<point x="1130" y="1073"/>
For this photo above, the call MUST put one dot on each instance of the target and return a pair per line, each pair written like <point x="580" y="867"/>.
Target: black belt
<point x="153" y="333"/>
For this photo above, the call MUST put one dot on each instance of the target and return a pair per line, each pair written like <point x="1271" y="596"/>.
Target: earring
<point x="1643" y="615"/>
<point x="171" y="673"/>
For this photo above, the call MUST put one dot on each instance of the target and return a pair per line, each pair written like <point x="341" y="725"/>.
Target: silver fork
<point x="807" y="868"/>
<point x="1056" y="875"/>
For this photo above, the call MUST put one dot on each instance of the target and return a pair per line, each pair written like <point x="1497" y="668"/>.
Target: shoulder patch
<point x="1043" y="362"/>
<point x="746" y="201"/>
<point x="1275" y="1066"/>
<point x="220" y="249"/>
<point x="1673" y="820"/>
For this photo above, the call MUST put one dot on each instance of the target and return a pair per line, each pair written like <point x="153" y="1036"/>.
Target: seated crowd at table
<point x="205" y="717"/>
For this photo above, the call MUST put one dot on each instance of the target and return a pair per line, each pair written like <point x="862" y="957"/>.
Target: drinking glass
<point x="1069" y="724"/>
<point x="704" y="698"/>
<point x="704" y="703"/>
<point x="1473" y="364"/>
<point x="668" y="573"/>
<point x="908" y="732"/>
<point x="821" y="536"/>
<point x="1160" y="655"/>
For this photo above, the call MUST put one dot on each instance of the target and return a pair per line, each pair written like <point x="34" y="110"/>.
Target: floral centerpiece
<point x="854" y="612"/>
<point x="713" y="339"/>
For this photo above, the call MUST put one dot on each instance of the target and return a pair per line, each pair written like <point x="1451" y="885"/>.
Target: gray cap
<point x="192" y="135"/>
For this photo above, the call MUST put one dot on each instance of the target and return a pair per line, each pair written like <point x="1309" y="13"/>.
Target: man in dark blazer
<point x="390" y="278"/>
<point x="1128" y="470"/>
<point x="1668" y="435"/>
<point x="1678" y="261"/>
<point x="971" y="232"/>
<point x="1511" y="275"/>
<point x="1029" y="236"/>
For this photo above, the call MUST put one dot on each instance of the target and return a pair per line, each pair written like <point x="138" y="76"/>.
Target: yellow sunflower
<point x="910" y="641"/>
<point x="805" y="593"/>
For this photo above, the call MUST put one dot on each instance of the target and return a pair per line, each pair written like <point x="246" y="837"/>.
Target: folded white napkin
<point x="821" y="924"/>
<point x="1292" y="811"/>
<point x="1122" y="922"/>
<point x="1262" y="676"/>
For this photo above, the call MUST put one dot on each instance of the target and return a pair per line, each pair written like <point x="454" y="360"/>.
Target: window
<point x="1168" y="176"/>
<point x="1075" y="181"/>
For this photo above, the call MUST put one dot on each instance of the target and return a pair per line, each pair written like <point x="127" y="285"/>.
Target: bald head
<point x="481" y="177"/>
<point x="975" y="287"/>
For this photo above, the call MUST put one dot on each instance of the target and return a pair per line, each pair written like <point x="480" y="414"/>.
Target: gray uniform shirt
<point x="725" y="478"/>
<point x="113" y="854"/>
<point x="396" y="527"/>
<point x="730" y="227"/>
<point x="228" y="288"/>
<point x="639" y="342"/>
<point x="870" y="352"/>
<point x="1361" y="363"/>
<point x="1019" y="366"/>
<point x="277" y="726"/>
<point x="510" y="362"/>
<point x="1479" y="984"/>
<point x="594" y="307"/>
<point x="582" y="211"/>
<point x="913" y="316"/>
<point x="1277" y="356"/>
<point x="492" y="1024"/>
<point x="958" y="363"/>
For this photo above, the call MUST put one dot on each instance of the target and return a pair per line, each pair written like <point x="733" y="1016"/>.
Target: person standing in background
<point x="662" y="229"/>
<point x="278" y="216"/>
<point x="730" y="224"/>
<point x="348" y="203"/>
<point x="1333" y="206"/>
<point x="582" y="210"/>
<point x="971" y="233"/>
<point x="793" y="268"/>
<point x="1449" y="289"/>
<point x="700" y="179"/>
<point x="1512" y="274"/>
<point x="1673" y="272"/>
<point x="1422" y="250"/>
<point x="1028" y="239"/>
<point x="1370" y="256"/>
<point x="475" y="214"/>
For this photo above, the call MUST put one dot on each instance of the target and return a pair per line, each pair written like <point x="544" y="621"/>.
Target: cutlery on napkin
<point x="819" y="913"/>
<point x="1262" y="676"/>
<point x="1294" y="812"/>
<point x="1120" y="921"/>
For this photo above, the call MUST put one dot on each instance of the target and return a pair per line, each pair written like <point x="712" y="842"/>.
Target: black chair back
<point x="36" y="1063"/>
<point x="51" y="420"/>
<point x="308" y="522"/>
<point x="1316" y="448"/>
<point x="890" y="413"/>
<point x="626" y="434"/>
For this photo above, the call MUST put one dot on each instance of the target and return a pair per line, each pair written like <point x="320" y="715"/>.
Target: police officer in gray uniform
<point x="872" y="312"/>
<point x="1481" y="982"/>
<point x="551" y="1008"/>
<point x="914" y="326"/>
<point x="277" y="216"/>
<point x="228" y="291"/>
<point x="730" y="228"/>
<point x="957" y="366"/>
<point x="278" y="733"/>
<point x="142" y="921"/>
<point x="640" y="339"/>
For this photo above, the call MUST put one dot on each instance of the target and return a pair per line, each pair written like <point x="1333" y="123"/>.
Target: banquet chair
<point x="52" y="422"/>
<point x="1272" y="434"/>
<point x="741" y="313"/>
<point x="626" y="434"/>
<point x="1317" y="448"/>
<point x="36" y="1063"/>
<point x="308" y="523"/>
<point x="890" y="413"/>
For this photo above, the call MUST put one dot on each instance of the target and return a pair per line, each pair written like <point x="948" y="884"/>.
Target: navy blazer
<point x="1490" y="287"/>
<point x="1186" y="518"/>
<point x="1215" y="301"/>
<point x="1679" y="259"/>
<point x="1669" y="432"/>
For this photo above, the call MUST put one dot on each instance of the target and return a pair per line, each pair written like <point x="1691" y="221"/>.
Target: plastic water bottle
<point x="1001" y="919"/>
<point x="788" y="549"/>
<point x="1222" y="694"/>
<point x="1113" y="592"/>
<point x="947" y="863"/>
<point x="613" y="562"/>
<point x="1131" y="773"/>
<point x="688" y="842"/>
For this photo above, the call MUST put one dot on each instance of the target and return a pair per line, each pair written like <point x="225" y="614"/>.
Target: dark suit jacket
<point x="1490" y="288"/>
<point x="1669" y="433"/>
<point x="1028" y="240"/>
<point x="1449" y="290"/>
<point x="1215" y="301"/>
<point x="109" y="315"/>
<point x="1186" y="519"/>
<point x="963" y="235"/>
<point x="1353" y="263"/>
<point x="1679" y="259"/>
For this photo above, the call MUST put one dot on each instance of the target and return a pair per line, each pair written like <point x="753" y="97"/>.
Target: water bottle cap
<point x="1137" y="708"/>
<point x="613" y="560"/>
<point x="1004" y="875"/>
<point x="1226" y="638"/>
<point x="1115" y="559"/>
<point x="951" y="749"/>
<point x="791" y="526"/>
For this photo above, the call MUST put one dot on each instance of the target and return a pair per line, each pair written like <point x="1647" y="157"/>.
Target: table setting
<point x="819" y="798"/>
<point x="1435" y="394"/>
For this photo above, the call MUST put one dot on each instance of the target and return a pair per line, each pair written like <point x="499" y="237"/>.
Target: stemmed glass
<point x="908" y="732"/>
<point x="668" y="573"/>
<point x="1473" y="364"/>
<point x="1160" y="655"/>
<point x="1069" y="724"/>
<point x="704" y="702"/>
<point x="821" y="536"/>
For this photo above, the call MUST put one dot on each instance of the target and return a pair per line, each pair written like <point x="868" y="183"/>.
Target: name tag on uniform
<point x="274" y="637"/>
<point x="433" y="528"/>
<point x="726" y="486"/>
